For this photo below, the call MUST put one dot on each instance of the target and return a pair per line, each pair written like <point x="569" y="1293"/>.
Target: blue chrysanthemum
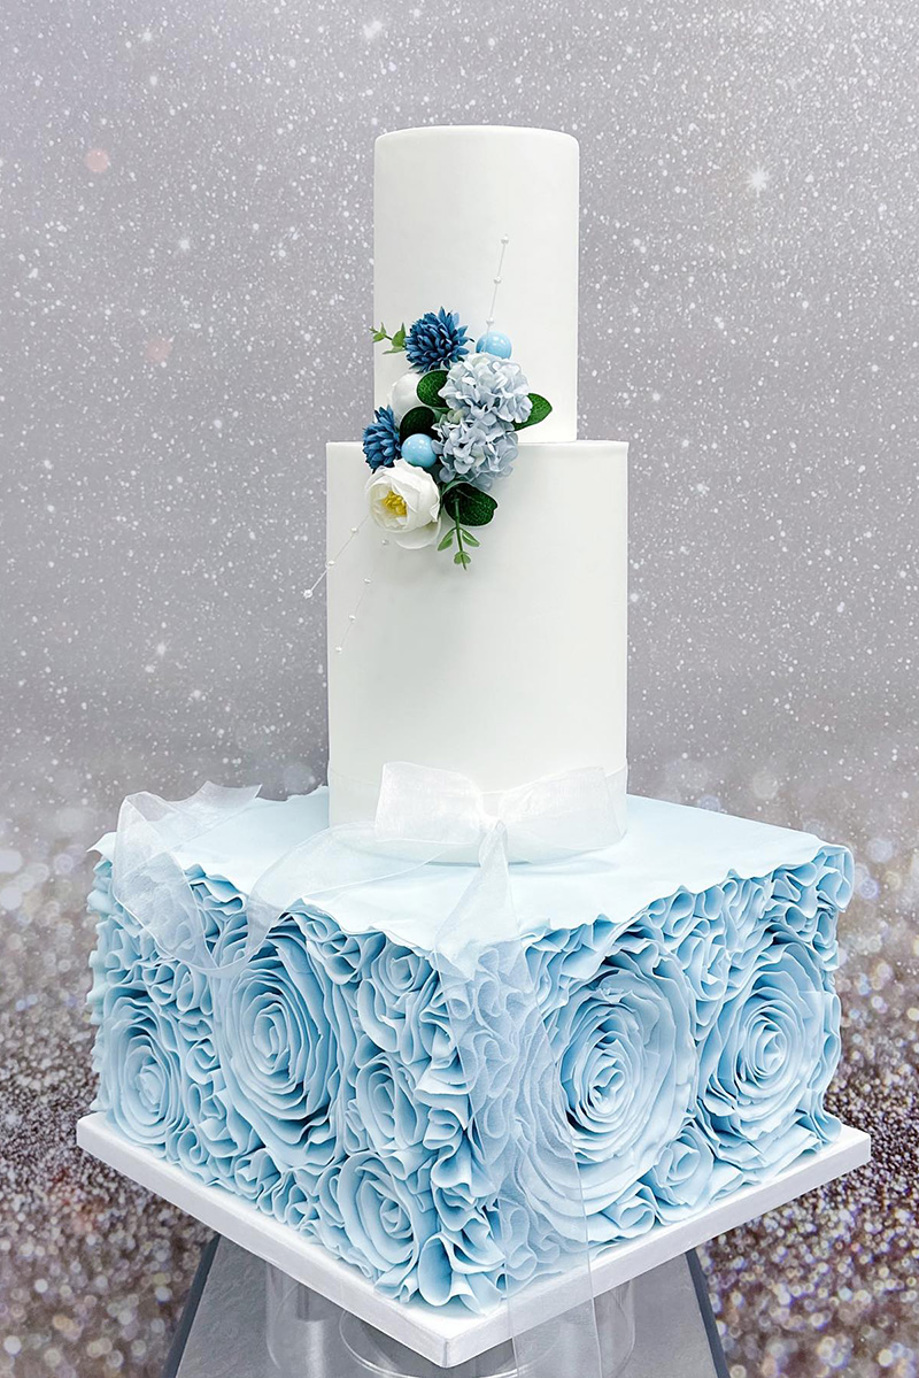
<point x="381" y="439"/>
<point x="436" y="340"/>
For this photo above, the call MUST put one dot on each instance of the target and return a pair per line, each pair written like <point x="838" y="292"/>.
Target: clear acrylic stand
<point x="309" y="1337"/>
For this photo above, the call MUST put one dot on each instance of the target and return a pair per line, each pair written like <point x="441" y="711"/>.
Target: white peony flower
<point x="405" y="501"/>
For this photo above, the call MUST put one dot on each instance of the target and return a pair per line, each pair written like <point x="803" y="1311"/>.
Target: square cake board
<point x="451" y="1335"/>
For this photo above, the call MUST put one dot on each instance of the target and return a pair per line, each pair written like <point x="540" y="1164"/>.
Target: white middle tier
<point x="508" y="671"/>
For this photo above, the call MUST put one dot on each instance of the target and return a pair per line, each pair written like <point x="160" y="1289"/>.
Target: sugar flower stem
<point x="460" y="558"/>
<point x="396" y="339"/>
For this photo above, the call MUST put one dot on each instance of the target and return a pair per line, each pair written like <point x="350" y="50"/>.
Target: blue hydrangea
<point x="478" y="449"/>
<point x="381" y="439"/>
<point x="486" y="385"/>
<point x="436" y="340"/>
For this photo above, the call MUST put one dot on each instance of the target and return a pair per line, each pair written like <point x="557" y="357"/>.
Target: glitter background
<point x="185" y="225"/>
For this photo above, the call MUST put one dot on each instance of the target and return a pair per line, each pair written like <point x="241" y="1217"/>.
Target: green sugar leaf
<point x="418" y="421"/>
<point x="540" y="410"/>
<point x="447" y="540"/>
<point x="469" y="506"/>
<point x="429" y="388"/>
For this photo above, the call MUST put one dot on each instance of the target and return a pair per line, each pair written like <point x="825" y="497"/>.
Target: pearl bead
<point x="404" y="395"/>
<point x="494" y="343"/>
<point x="419" y="450"/>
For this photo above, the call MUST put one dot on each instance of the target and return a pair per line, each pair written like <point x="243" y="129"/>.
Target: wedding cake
<point x="512" y="667"/>
<point x="455" y="1077"/>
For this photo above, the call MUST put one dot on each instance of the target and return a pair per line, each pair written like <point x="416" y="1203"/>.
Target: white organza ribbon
<point x="519" y="1122"/>
<point x="549" y="819"/>
<point x="148" y="880"/>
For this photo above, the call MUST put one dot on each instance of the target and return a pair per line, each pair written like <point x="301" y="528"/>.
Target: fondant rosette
<point x="344" y="957"/>
<point x="687" y="1176"/>
<point x="807" y="899"/>
<point x="291" y="1198"/>
<point x="630" y="1215"/>
<point x="628" y="1065"/>
<point x="219" y="1144"/>
<point x="448" y="433"/>
<point x="463" y="1260"/>
<point x="140" y="1074"/>
<point x="768" y="1059"/>
<point x="392" y="1001"/>
<point x="115" y="958"/>
<point x="375" y="1220"/>
<point x="401" y="1008"/>
<point x="384" y="1113"/>
<point x="126" y="955"/>
<point x="712" y="935"/>
<point x="277" y="1026"/>
<point x="516" y="1100"/>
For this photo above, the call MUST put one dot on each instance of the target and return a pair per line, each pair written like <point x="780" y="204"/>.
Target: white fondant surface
<point x="443" y="199"/>
<point x="506" y="672"/>
<point x="667" y="846"/>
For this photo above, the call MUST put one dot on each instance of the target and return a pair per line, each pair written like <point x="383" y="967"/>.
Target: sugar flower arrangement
<point x="449" y="431"/>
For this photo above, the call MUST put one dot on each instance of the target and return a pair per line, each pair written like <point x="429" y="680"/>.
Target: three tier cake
<point x="299" y="1004"/>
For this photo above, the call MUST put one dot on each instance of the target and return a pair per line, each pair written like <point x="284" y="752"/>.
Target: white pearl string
<point x="490" y="319"/>
<point x="330" y="564"/>
<point x="352" y="616"/>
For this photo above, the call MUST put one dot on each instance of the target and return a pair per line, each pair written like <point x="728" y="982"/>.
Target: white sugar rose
<point x="405" y="501"/>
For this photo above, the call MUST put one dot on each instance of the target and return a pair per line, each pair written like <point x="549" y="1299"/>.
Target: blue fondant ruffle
<point x="694" y="1046"/>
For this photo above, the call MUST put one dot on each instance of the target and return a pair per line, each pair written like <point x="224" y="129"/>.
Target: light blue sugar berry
<point x="494" y="343"/>
<point x="419" y="450"/>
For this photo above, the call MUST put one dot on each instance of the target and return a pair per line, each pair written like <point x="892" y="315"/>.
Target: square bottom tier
<point x="683" y="981"/>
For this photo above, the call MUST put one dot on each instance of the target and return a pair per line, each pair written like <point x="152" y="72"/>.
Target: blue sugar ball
<point x="494" y="343"/>
<point x="419" y="449"/>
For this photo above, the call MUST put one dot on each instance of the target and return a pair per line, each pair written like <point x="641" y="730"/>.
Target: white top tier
<point x="443" y="200"/>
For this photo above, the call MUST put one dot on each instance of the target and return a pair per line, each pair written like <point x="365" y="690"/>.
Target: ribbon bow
<point x="552" y="818"/>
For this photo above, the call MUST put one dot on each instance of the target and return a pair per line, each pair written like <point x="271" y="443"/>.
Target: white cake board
<point x="449" y="1335"/>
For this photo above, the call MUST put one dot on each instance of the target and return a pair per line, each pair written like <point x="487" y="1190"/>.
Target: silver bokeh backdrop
<point x="185" y="220"/>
